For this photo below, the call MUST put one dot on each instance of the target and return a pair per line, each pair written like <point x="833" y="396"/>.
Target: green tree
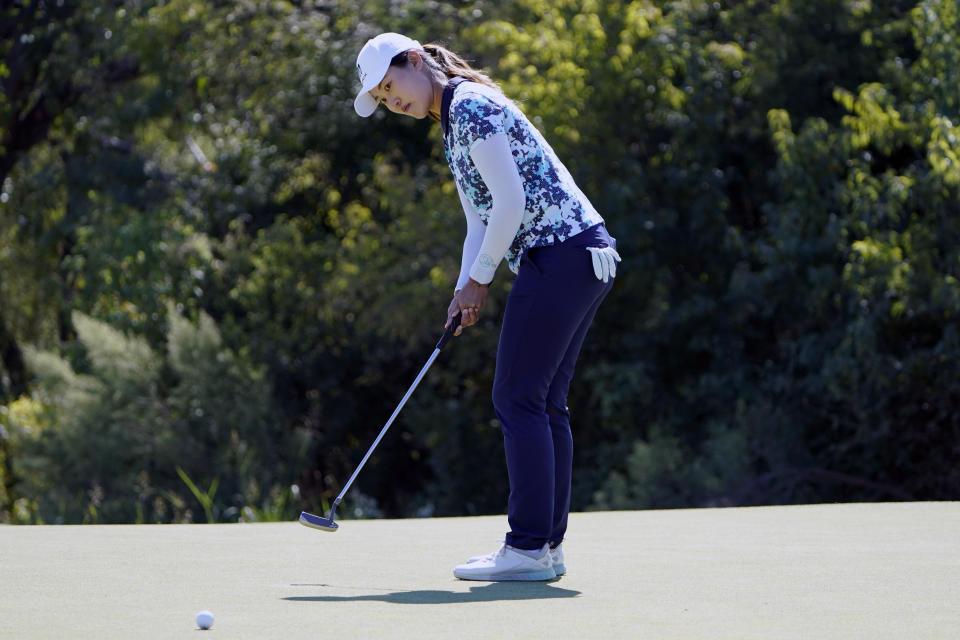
<point x="781" y="178"/>
<point x="840" y="300"/>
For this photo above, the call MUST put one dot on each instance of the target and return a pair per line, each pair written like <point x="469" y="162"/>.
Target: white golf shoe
<point x="556" y="556"/>
<point x="507" y="563"/>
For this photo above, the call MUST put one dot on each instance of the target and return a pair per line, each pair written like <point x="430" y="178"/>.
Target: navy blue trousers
<point x="552" y="303"/>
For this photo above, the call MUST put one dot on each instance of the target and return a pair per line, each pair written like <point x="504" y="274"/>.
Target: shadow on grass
<point x="485" y="593"/>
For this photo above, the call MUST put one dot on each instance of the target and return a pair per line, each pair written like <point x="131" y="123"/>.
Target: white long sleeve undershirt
<point x="472" y="241"/>
<point x="494" y="162"/>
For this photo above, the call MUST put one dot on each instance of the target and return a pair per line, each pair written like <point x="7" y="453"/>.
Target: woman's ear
<point x="415" y="59"/>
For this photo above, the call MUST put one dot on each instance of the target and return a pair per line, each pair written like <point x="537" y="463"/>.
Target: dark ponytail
<point x="453" y="65"/>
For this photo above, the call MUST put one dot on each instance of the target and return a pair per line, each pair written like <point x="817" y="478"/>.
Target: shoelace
<point x="503" y="549"/>
<point x="493" y="554"/>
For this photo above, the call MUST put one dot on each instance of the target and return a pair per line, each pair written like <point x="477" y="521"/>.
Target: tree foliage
<point x="216" y="281"/>
<point x="109" y="444"/>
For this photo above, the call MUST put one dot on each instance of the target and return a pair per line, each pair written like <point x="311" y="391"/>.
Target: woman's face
<point x="406" y="89"/>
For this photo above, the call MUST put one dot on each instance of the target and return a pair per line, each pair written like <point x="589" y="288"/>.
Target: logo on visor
<point x="362" y="74"/>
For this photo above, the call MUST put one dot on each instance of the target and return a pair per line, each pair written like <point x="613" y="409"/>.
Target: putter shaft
<point x="383" y="431"/>
<point x="327" y="524"/>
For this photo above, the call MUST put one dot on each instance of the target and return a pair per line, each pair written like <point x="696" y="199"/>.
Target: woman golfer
<point x="522" y="205"/>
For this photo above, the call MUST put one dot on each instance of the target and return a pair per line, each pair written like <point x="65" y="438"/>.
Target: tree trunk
<point x="13" y="383"/>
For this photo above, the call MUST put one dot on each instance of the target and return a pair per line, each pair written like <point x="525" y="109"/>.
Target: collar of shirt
<point x="445" y="102"/>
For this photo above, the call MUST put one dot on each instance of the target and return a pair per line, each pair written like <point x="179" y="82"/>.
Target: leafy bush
<point x="111" y="444"/>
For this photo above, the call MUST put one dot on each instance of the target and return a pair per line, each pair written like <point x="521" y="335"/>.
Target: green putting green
<point x="822" y="571"/>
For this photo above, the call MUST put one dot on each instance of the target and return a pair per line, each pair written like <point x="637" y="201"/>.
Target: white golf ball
<point x="204" y="619"/>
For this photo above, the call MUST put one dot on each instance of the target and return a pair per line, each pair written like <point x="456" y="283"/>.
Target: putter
<point x="327" y="524"/>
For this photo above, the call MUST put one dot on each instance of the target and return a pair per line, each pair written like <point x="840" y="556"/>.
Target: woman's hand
<point x="467" y="301"/>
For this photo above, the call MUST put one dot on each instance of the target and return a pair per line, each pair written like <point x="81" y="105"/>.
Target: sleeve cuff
<point x="483" y="269"/>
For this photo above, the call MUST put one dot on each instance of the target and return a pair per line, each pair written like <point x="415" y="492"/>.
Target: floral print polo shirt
<point x="555" y="207"/>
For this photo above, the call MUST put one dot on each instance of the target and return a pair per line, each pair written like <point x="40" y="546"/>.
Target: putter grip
<point x="445" y="338"/>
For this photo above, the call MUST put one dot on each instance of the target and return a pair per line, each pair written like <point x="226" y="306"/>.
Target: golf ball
<point x="204" y="619"/>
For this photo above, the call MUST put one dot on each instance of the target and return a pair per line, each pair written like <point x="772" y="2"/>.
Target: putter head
<point x="316" y="522"/>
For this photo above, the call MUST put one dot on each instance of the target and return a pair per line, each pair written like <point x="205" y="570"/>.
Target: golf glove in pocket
<point x="605" y="261"/>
